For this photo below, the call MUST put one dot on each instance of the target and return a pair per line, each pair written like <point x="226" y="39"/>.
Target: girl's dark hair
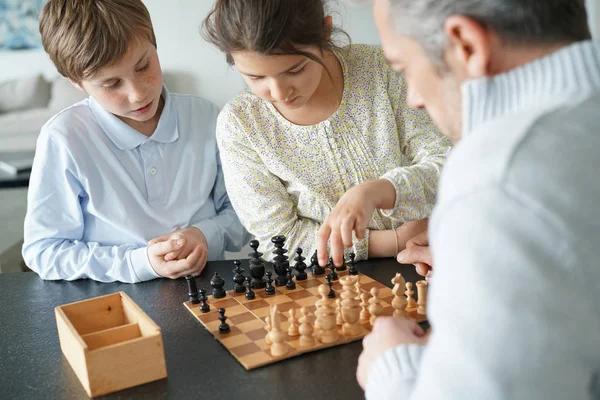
<point x="269" y="27"/>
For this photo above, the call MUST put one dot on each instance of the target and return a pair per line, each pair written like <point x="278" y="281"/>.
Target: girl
<point x="318" y="121"/>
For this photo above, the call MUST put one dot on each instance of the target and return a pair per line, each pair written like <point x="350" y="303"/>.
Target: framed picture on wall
<point x="19" y="24"/>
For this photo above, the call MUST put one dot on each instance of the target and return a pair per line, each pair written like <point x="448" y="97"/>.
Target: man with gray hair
<point x="515" y="235"/>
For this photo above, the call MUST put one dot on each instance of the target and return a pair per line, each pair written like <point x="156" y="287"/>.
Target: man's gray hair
<point x="517" y="22"/>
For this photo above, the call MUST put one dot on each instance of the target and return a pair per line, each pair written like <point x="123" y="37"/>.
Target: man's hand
<point x="417" y="252"/>
<point x="192" y="264"/>
<point x="191" y="235"/>
<point x="387" y="333"/>
<point x="353" y="212"/>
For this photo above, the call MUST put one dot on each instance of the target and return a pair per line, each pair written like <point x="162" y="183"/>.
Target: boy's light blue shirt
<point x="100" y="190"/>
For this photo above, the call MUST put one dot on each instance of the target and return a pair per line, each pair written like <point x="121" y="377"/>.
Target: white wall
<point x="199" y="68"/>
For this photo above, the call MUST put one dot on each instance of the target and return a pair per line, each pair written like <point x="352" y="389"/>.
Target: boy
<point x="127" y="184"/>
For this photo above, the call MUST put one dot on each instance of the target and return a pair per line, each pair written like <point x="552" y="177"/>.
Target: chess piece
<point x="338" y="312"/>
<point x="326" y="317"/>
<point x="399" y="302"/>
<point x="268" y="329"/>
<point x="357" y="286"/>
<point x="300" y="266"/>
<point x="250" y="295"/>
<point x="306" y="328"/>
<point x="217" y="284"/>
<point x="204" y="307"/>
<point x="290" y="284"/>
<point x="224" y="327"/>
<point x="238" y="277"/>
<point x="276" y="335"/>
<point x="280" y="260"/>
<point x="422" y="297"/>
<point x="350" y="307"/>
<point x="375" y="307"/>
<point x="334" y="275"/>
<point x="364" y="305"/>
<point x="293" y="323"/>
<point x="269" y="288"/>
<point x="257" y="266"/>
<point x="342" y="267"/>
<point x="314" y="264"/>
<point x="411" y="304"/>
<point x="331" y="293"/>
<point x="192" y="289"/>
<point x="352" y="270"/>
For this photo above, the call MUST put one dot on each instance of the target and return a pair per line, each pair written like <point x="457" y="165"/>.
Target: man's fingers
<point x="159" y="239"/>
<point x="422" y="269"/>
<point x="186" y="266"/>
<point x="172" y="255"/>
<point x="416" y="254"/>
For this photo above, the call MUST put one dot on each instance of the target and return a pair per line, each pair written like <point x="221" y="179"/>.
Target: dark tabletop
<point x="33" y="367"/>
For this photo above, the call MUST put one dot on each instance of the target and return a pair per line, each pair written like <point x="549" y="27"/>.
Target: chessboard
<point x="246" y="339"/>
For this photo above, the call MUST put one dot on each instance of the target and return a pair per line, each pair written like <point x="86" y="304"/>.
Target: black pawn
<point x="250" y="295"/>
<point x="217" y="284"/>
<point x="352" y="270"/>
<point x="238" y="277"/>
<point x="314" y="263"/>
<point x="331" y="293"/>
<point x="300" y="266"/>
<point x="290" y="284"/>
<point x="334" y="275"/>
<point x="204" y="307"/>
<point x="269" y="289"/>
<point x="224" y="327"/>
<point x="192" y="289"/>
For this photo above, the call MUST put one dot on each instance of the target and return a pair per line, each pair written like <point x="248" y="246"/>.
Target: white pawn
<point x="293" y="323"/>
<point x="399" y="302"/>
<point x="276" y="335"/>
<point x="338" y="312"/>
<point x="375" y="307"/>
<point x="268" y="329"/>
<point x="306" y="328"/>
<point x="364" y="304"/>
<point x="411" y="304"/>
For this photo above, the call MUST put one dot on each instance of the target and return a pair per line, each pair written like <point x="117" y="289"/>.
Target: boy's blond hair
<point x="82" y="36"/>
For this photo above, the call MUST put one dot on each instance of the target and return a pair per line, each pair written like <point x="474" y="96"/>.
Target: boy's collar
<point x="127" y="138"/>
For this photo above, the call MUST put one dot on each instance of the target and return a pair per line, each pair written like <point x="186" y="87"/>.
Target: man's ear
<point x="469" y="47"/>
<point x="328" y="23"/>
<point x="76" y="85"/>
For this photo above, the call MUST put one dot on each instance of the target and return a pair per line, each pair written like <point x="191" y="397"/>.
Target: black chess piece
<point x="314" y="264"/>
<point x="250" y="295"/>
<point x="204" y="307"/>
<point x="352" y="270"/>
<point x="238" y="277"/>
<point x="217" y="284"/>
<point x="257" y="266"/>
<point x="192" y="289"/>
<point x="280" y="261"/>
<point x="290" y="284"/>
<point x="269" y="288"/>
<point x="334" y="275"/>
<point x="300" y="266"/>
<point x="224" y="327"/>
<point x="343" y="266"/>
<point x="331" y="293"/>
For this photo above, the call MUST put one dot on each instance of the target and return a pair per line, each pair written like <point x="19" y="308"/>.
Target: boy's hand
<point x="191" y="235"/>
<point x="417" y="252"/>
<point x="353" y="212"/>
<point x="193" y="264"/>
<point x="387" y="333"/>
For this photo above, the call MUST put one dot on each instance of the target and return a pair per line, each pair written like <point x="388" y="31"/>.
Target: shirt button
<point x="153" y="171"/>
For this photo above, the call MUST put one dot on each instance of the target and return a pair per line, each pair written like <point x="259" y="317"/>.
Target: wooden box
<point x="110" y="343"/>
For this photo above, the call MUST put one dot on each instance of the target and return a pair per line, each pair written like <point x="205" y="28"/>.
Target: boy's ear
<point x="76" y="85"/>
<point x="328" y="23"/>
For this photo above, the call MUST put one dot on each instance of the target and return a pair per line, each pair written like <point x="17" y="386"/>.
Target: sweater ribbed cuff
<point x="393" y="374"/>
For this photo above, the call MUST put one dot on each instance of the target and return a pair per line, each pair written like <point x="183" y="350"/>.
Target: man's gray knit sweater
<point x="515" y="297"/>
